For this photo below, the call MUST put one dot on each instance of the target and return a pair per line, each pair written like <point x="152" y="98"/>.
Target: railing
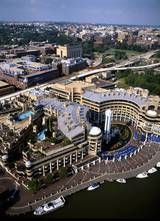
<point x="80" y="186"/>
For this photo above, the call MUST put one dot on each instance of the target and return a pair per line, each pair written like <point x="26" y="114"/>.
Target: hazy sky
<point x="95" y="11"/>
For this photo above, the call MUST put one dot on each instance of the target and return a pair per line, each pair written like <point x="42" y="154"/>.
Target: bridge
<point x="41" y="86"/>
<point x="115" y="68"/>
<point x="122" y="66"/>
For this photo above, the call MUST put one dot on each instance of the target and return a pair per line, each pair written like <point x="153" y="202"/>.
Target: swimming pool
<point x="24" y="115"/>
<point x="41" y="135"/>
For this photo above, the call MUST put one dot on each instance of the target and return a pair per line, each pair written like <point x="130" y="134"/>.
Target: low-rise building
<point x="24" y="73"/>
<point x="72" y="65"/>
<point x="6" y="88"/>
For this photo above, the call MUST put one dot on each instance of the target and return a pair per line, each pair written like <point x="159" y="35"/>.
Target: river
<point x="138" y="198"/>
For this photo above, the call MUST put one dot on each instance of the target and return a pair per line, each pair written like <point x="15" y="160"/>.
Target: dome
<point x="95" y="131"/>
<point x="5" y="157"/>
<point x="28" y="164"/>
<point x="151" y="113"/>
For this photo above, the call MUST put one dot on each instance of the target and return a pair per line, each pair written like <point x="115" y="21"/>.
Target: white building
<point x="95" y="140"/>
<point x="108" y="119"/>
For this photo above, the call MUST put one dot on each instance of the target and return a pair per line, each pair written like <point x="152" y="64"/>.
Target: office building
<point x="69" y="51"/>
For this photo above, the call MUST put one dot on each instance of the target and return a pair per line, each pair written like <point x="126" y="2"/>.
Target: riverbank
<point x="137" y="199"/>
<point x="97" y="171"/>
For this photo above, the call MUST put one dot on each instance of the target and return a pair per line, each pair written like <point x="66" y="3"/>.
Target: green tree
<point x="62" y="172"/>
<point x="120" y="55"/>
<point x="147" y="80"/>
<point x="53" y="140"/>
<point x="157" y="55"/>
<point x="88" y="48"/>
<point x="32" y="137"/>
<point x="34" y="185"/>
<point x="107" y="60"/>
<point x="125" y="46"/>
<point x="66" y="141"/>
<point x="49" y="179"/>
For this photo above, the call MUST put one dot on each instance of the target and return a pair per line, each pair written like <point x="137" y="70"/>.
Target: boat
<point x="152" y="170"/>
<point x="121" y="180"/>
<point x="50" y="206"/>
<point x="93" y="187"/>
<point x="142" y="175"/>
<point x="158" y="164"/>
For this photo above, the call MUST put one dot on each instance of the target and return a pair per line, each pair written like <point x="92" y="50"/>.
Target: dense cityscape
<point x="79" y="107"/>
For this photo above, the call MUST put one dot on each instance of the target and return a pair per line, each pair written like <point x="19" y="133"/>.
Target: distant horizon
<point x="75" y="22"/>
<point x="137" y="12"/>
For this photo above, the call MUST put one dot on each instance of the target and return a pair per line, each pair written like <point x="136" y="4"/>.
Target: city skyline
<point x="143" y="12"/>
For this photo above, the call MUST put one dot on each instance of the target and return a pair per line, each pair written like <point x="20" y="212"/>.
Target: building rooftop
<point x="7" y="137"/>
<point x="3" y="84"/>
<point x="95" y="131"/>
<point x="151" y="113"/>
<point x="38" y="73"/>
<point x="35" y="64"/>
<point x="113" y="95"/>
<point x="72" y="85"/>
<point x="37" y="92"/>
<point x="70" y="115"/>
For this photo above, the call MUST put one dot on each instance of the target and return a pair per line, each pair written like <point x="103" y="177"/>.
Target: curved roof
<point x="99" y="97"/>
<point x="151" y="113"/>
<point x="95" y="131"/>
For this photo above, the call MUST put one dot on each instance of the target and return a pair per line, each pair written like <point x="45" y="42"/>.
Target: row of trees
<point x="23" y="35"/>
<point x="117" y="55"/>
<point x="36" y="184"/>
<point x="88" y="48"/>
<point x="157" y="55"/>
<point x="134" y="47"/>
<point x="147" y="80"/>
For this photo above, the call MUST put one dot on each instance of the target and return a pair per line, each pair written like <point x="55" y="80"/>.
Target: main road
<point x="121" y="66"/>
<point x="42" y="86"/>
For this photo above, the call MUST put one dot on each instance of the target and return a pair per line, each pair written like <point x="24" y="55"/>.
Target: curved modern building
<point x="134" y="105"/>
<point x="80" y="115"/>
<point x="141" y="112"/>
